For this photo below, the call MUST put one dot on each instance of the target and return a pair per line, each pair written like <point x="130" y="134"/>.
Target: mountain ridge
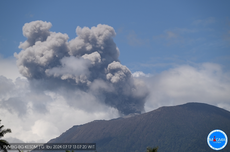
<point x="181" y="128"/>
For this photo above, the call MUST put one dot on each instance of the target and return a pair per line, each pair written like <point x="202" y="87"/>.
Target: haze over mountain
<point x="182" y="128"/>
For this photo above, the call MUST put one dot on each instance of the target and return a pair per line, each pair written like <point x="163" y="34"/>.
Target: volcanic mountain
<point x="182" y="128"/>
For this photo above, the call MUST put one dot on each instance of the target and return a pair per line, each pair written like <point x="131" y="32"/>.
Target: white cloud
<point x="48" y="129"/>
<point x="49" y="102"/>
<point x="205" y="22"/>
<point x="176" y="36"/>
<point x="67" y="82"/>
<point x="206" y="83"/>
<point x="140" y="74"/>
<point x="36" y="126"/>
<point x="35" y="116"/>
<point x="134" y="40"/>
<point x="8" y="68"/>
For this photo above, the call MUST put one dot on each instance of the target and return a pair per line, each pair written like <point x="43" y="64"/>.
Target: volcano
<point x="181" y="128"/>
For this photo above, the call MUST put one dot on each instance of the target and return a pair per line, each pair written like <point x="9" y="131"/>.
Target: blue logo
<point x="217" y="139"/>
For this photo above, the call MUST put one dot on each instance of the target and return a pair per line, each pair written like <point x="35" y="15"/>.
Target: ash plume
<point x="89" y="63"/>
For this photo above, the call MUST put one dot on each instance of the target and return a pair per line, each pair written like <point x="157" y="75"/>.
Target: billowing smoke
<point x="88" y="64"/>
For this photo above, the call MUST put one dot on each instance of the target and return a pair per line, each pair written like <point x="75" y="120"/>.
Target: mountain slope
<point x="176" y="128"/>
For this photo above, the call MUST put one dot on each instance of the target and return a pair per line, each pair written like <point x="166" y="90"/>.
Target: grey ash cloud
<point x="89" y="63"/>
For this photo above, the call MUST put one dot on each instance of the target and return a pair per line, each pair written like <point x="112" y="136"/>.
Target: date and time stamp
<point x="51" y="146"/>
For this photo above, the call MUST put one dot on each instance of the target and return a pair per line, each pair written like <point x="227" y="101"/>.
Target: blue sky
<point x="177" y="51"/>
<point x="152" y="35"/>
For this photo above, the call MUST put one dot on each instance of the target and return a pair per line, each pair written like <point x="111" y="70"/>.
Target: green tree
<point x="68" y="151"/>
<point x="2" y="133"/>
<point x="149" y="149"/>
